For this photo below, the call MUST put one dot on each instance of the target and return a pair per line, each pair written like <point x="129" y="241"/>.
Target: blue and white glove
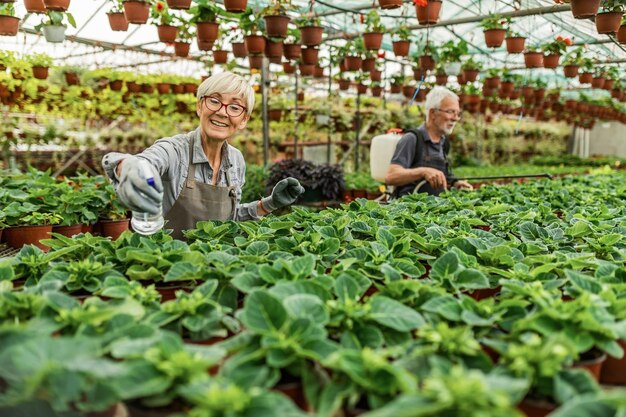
<point x="285" y="193"/>
<point x="136" y="190"/>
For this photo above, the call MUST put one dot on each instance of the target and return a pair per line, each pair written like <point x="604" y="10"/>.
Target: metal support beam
<point x="330" y="111"/>
<point x="91" y="18"/>
<point x="473" y="19"/>
<point x="295" y="117"/>
<point x="265" y="83"/>
<point x="357" y="136"/>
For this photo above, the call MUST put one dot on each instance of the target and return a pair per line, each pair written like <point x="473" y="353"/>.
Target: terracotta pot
<point x="274" y="115"/>
<point x="582" y="9"/>
<point x="118" y="22"/>
<point x="276" y="26"/>
<point x="133" y="87"/>
<point x="621" y="34"/>
<point x="429" y="14"/>
<point x="239" y="49"/>
<point x="16" y="237"/>
<point x="535" y="408"/>
<point x="181" y="49"/>
<point x="427" y="62"/>
<point x="255" y="61"/>
<point x="617" y="94"/>
<point x="608" y="84"/>
<point x="570" y="71"/>
<point x="220" y="57"/>
<point x="255" y="44"/>
<point x="310" y="55"/>
<point x="533" y="59"/>
<point x="470" y="75"/>
<point x="235" y="6"/>
<point x="551" y="61"/>
<point x="136" y="12"/>
<point x="167" y="33"/>
<point x="71" y="78"/>
<point x="408" y="91"/>
<point x="205" y="45"/>
<point x="441" y="79"/>
<point x="494" y="37"/>
<point x="418" y="74"/>
<point x="191" y="88"/>
<point x="515" y="44"/>
<point x="344" y="84"/>
<point x="114" y="228"/>
<point x="207" y="31"/>
<point x="311" y="35"/>
<point x="376" y="75"/>
<point x="147" y="88"/>
<point x="592" y="365"/>
<point x="614" y="370"/>
<point x="377" y="91"/>
<point x="57" y="5"/>
<point x="40" y="73"/>
<point x="395" y="89"/>
<point x="353" y="63"/>
<point x="86" y="228"/>
<point x="401" y="48"/>
<point x="9" y="25"/>
<point x="179" y="4"/>
<point x="507" y="87"/>
<point x="585" y="78"/>
<point x="35" y="6"/>
<point x="368" y="64"/>
<point x="116" y="85"/>
<point x="292" y="50"/>
<point x="597" y="82"/>
<point x="390" y="4"/>
<point x="492" y="82"/>
<point x="295" y="391"/>
<point x="273" y="49"/>
<point x="289" y="68"/>
<point x="373" y="40"/>
<point x="608" y="22"/>
<point x="361" y="88"/>
<point x="306" y="70"/>
<point x="178" y="89"/>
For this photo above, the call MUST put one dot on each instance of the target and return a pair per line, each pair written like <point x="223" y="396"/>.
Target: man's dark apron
<point x="430" y="159"/>
<point x="199" y="201"/>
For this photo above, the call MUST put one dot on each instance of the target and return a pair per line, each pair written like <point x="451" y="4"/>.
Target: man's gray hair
<point x="228" y="83"/>
<point x="436" y="96"/>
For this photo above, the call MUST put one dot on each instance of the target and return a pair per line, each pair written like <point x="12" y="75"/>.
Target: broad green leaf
<point x="347" y="288"/>
<point x="571" y="383"/>
<point x="390" y="313"/>
<point x="303" y="267"/>
<point x="584" y="282"/>
<point x="471" y="278"/>
<point x="530" y="231"/>
<point x="445" y="266"/>
<point x="258" y="248"/>
<point x="446" y="306"/>
<point x="263" y="313"/>
<point x="579" y="229"/>
<point x="385" y="237"/>
<point x="182" y="271"/>
<point x="247" y="282"/>
<point x="306" y="306"/>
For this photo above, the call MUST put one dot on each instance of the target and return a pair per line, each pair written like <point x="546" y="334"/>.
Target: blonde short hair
<point x="228" y="83"/>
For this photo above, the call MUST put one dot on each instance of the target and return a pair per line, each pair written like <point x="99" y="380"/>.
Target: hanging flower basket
<point x="118" y="22"/>
<point x="311" y="35"/>
<point x="429" y="14"/>
<point x="401" y="48"/>
<point x="441" y="79"/>
<point x="136" y="12"/>
<point x="582" y="9"/>
<point x="57" y="5"/>
<point x="205" y="45"/>
<point x="235" y="6"/>
<point x="255" y="44"/>
<point x="273" y="49"/>
<point x="427" y="62"/>
<point x="133" y="87"/>
<point x="310" y="56"/>
<point x="344" y="84"/>
<point x="452" y="68"/>
<point x="389" y="4"/>
<point x="292" y="50"/>
<point x="306" y="70"/>
<point x="597" y="82"/>
<point x="533" y="59"/>
<point x="35" y="6"/>
<point x="368" y="64"/>
<point x="621" y="34"/>
<point x="352" y="63"/>
<point x="9" y="25"/>
<point x="492" y="82"/>
<point x="54" y="33"/>
<point x="494" y="37"/>
<point x="179" y="4"/>
<point x="40" y="73"/>
<point x="167" y="33"/>
<point x="372" y="40"/>
<point x="289" y="68"/>
<point x="376" y="91"/>
<point x="608" y="84"/>
<point x="570" y="71"/>
<point x="239" y="49"/>
<point x="361" y="88"/>
<point x="207" y="31"/>
<point x="585" y="78"/>
<point x="609" y="22"/>
<point x="181" y="49"/>
<point x="276" y="26"/>
<point x="395" y="89"/>
<point x="506" y="87"/>
<point x="551" y="61"/>
<point x="515" y="44"/>
<point x="470" y="75"/>
<point x="255" y="61"/>
<point x="376" y="75"/>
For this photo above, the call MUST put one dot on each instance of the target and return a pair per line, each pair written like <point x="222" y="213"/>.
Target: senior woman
<point x="198" y="175"/>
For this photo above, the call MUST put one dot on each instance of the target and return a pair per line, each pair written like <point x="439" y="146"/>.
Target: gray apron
<point x="433" y="161"/>
<point x="199" y="201"/>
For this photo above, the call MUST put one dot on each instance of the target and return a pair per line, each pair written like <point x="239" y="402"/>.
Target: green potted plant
<point x="450" y="54"/>
<point x="471" y="69"/>
<point x="204" y="15"/>
<point x="609" y="20"/>
<point x="250" y="24"/>
<point x="495" y="27"/>
<point x="275" y="17"/>
<point x="310" y="29"/>
<point x="533" y="57"/>
<point x="553" y="51"/>
<point x="54" y="25"/>
<point x="137" y="11"/>
<point x="162" y="19"/>
<point x="9" y="23"/>
<point x="182" y="44"/>
<point x="587" y="66"/>
<point x="572" y="62"/>
<point x="114" y="218"/>
<point x="292" y="45"/>
<point x="374" y="29"/>
<point x="514" y="42"/>
<point x="401" y="40"/>
<point x="427" y="11"/>
<point x="117" y="19"/>
<point x="40" y="62"/>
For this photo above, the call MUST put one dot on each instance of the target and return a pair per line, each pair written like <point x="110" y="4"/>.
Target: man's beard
<point x="448" y="130"/>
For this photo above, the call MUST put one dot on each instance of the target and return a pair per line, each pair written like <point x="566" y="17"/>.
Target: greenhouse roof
<point x="96" y="45"/>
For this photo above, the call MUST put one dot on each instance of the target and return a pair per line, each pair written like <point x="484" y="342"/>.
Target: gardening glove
<point x="285" y="192"/>
<point x="136" y="191"/>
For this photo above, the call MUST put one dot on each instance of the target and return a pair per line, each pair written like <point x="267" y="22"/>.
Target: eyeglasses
<point x="451" y="112"/>
<point x="214" y="104"/>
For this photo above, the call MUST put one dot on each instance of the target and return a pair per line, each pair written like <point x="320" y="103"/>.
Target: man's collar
<point x="427" y="135"/>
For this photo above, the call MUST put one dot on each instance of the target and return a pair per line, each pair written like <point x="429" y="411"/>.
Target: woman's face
<point x="221" y="115"/>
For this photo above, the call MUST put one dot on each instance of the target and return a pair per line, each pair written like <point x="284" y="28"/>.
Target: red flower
<point x="422" y="3"/>
<point x="567" y="41"/>
<point x="559" y="38"/>
<point x="362" y="18"/>
<point x="160" y="6"/>
<point x="381" y="54"/>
